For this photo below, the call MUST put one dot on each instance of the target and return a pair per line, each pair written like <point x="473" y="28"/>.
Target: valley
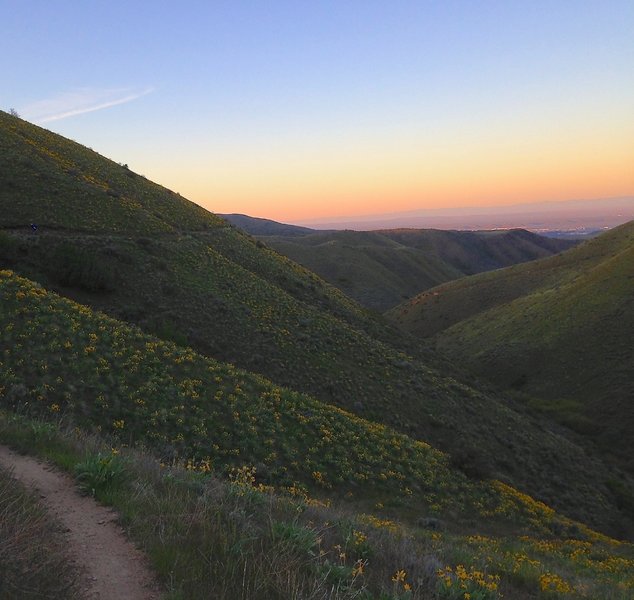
<point x="379" y="269"/>
<point x="557" y="330"/>
<point x="134" y="315"/>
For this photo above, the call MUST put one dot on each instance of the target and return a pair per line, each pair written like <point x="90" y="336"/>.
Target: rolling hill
<point x="559" y="329"/>
<point x="379" y="269"/>
<point x="109" y="239"/>
<point x="254" y="452"/>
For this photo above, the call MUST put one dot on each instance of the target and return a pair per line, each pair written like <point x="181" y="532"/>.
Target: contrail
<point x="77" y="103"/>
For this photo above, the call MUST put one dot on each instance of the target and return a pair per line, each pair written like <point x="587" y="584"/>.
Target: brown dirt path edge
<point x="113" y="569"/>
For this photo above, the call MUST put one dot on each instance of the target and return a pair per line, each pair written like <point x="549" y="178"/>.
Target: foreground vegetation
<point x="33" y="559"/>
<point x="221" y="501"/>
<point x="61" y="359"/>
<point x="232" y="538"/>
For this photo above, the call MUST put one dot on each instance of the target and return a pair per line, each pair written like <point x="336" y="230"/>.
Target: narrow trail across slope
<point x="113" y="568"/>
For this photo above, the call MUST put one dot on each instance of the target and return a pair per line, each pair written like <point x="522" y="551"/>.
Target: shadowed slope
<point x="380" y="268"/>
<point x="61" y="359"/>
<point x="559" y="329"/>
<point x="209" y="420"/>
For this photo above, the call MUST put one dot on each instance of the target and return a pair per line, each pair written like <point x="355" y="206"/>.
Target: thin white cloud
<point x="79" y="102"/>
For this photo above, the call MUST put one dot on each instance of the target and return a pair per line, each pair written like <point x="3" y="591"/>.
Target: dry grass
<point x="32" y="560"/>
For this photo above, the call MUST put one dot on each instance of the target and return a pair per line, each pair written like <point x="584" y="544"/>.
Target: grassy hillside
<point x="369" y="267"/>
<point x="560" y="330"/>
<point x="381" y="268"/>
<point x="218" y="290"/>
<point x="57" y="183"/>
<point x="62" y="360"/>
<point x="65" y="364"/>
<point x="207" y="537"/>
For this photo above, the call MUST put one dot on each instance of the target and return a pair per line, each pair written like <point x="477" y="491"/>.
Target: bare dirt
<point x="112" y="568"/>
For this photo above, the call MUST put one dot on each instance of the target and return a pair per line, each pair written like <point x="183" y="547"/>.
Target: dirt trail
<point x="113" y="568"/>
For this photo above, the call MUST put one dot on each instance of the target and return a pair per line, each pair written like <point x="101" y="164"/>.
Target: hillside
<point x="257" y="226"/>
<point x="190" y="278"/>
<point x="379" y="269"/>
<point x="61" y="359"/>
<point x="65" y="363"/>
<point x="560" y="330"/>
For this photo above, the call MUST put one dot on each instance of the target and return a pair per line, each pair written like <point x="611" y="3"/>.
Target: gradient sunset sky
<point x="299" y="110"/>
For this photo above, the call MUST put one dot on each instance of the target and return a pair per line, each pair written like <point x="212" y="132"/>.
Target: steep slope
<point x="369" y="267"/>
<point x="49" y="180"/>
<point x="559" y="329"/>
<point x="67" y="365"/>
<point x="381" y="268"/>
<point x="476" y="251"/>
<point x="216" y="289"/>
<point x="61" y="359"/>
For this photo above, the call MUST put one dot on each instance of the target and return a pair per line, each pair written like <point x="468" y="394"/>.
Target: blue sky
<point x="297" y="109"/>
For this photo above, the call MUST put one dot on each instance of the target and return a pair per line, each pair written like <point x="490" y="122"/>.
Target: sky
<point x="306" y="110"/>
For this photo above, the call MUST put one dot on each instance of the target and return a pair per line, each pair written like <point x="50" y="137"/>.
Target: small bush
<point x="100" y="475"/>
<point x="301" y="539"/>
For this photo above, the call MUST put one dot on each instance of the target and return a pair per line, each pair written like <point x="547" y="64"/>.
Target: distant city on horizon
<point x="572" y="217"/>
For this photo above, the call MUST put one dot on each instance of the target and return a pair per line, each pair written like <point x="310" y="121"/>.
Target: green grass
<point x="208" y="537"/>
<point x="379" y="269"/>
<point x="242" y="317"/>
<point x="62" y="359"/>
<point x="100" y="474"/>
<point x="559" y="330"/>
<point x="59" y="184"/>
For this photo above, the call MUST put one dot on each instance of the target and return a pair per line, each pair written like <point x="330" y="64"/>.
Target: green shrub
<point x="300" y="538"/>
<point x="100" y="475"/>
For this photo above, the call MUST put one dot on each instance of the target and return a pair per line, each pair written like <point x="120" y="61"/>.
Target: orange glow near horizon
<point x="375" y="183"/>
<point x="300" y="111"/>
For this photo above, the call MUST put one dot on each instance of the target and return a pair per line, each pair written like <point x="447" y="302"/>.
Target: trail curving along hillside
<point x="111" y="567"/>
